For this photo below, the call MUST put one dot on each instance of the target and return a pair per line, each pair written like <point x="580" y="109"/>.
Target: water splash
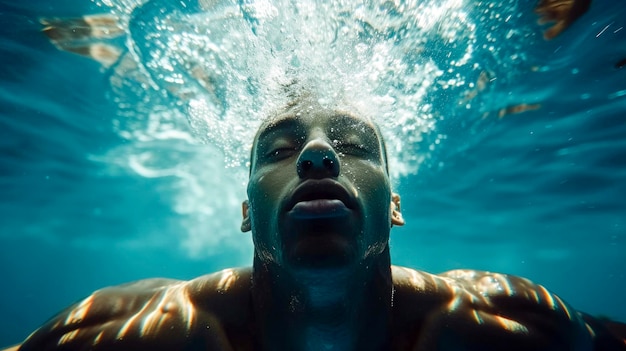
<point x="211" y="70"/>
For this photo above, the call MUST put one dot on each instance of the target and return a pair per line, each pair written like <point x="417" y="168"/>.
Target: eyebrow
<point x="286" y="123"/>
<point x="345" y="118"/>
<point x="290" y="122"/>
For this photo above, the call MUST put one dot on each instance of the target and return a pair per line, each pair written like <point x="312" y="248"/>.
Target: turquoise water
<point x="107" y="176"/>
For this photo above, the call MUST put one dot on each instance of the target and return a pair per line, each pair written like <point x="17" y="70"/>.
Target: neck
<point x="345" y="308"/>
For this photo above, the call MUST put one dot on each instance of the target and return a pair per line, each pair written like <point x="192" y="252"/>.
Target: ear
<point x="396" y="215"/>
<point x="245" y="222"/>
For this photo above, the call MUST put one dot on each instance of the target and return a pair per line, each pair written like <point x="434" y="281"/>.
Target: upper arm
<point x="607" y="335"/>
<point x="149" y="314"/>
<point x="490" y="311"/>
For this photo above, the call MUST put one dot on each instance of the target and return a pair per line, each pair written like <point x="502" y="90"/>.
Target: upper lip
<point x="320" y="189"/>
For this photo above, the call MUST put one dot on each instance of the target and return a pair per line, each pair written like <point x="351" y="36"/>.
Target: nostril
<point x="306" y="165"/>
<point x="328" y="162"/>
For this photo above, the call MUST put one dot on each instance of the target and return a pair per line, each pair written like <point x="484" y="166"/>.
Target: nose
<point x="318" y="160"/>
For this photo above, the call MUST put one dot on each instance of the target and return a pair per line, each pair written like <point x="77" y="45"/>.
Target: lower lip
<point x="321" y="208"/>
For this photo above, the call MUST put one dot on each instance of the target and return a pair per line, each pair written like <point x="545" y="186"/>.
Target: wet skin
<point x="320" y="208"/>
<point x="319" y="190"/>
<point x="461" y="309"/>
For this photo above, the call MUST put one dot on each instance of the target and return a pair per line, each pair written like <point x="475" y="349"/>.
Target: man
<point x="320" y="208"/>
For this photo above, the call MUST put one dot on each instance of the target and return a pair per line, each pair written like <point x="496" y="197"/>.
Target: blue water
<point x="85" y="203"/>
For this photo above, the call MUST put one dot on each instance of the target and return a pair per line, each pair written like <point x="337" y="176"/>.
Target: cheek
<point x="269" y="179"/>
<point x="372" y="186"/>
<point x="265" y="194"/>
<point x="259" y="186"/>
<point x="370" y="182"/>
<point x="269" y="187"/>
<point x="266" y="191"/>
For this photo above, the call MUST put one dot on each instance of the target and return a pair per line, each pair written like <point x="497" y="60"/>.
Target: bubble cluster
<point x="210" y="71"/>
<point x="224" y="65"/>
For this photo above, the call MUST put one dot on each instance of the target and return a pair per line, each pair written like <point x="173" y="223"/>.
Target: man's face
<point x="319" y="194"/>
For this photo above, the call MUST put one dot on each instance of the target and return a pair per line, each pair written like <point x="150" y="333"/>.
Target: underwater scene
<point x="126" y="128"/>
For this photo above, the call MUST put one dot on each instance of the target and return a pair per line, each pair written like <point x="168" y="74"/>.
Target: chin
<point x="322" y="252"/>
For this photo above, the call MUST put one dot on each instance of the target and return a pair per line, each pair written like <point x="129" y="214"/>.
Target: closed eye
<point x="352" y="148"/>
<point x="280" y="153"/>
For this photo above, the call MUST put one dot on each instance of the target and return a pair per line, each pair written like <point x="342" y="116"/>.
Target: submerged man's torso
<point x="466" y="309"/>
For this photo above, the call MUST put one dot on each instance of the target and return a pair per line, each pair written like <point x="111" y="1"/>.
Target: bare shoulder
<point x="486" y="311"/>
<point x="156" y="314"/>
